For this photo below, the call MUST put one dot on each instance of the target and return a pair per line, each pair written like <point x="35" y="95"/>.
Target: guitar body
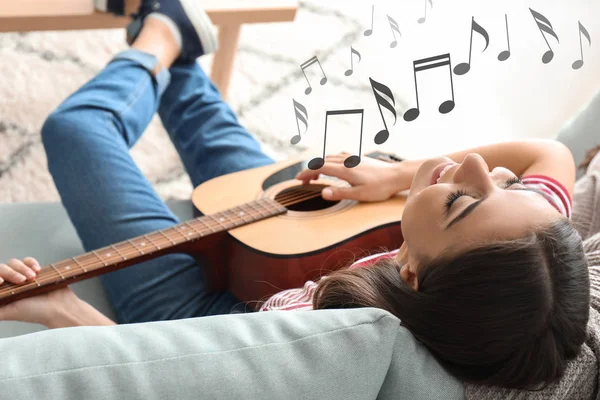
<point x="310" y="240"/>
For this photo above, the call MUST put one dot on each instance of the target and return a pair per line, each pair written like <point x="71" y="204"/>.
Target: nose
<point x="474" y="172"/>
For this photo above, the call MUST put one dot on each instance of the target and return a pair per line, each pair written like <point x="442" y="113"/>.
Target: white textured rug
<point x="40" y="69"/>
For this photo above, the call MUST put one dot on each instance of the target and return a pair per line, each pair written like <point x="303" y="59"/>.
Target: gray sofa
<point x="331" y="354"/>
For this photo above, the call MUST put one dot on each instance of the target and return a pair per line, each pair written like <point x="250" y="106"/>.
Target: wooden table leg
<point x="224" y="58"/>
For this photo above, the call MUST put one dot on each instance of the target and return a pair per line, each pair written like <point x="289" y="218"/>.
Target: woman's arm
<point x="523" y="157"/>
<point x="374" y="180"/>
<point x="55" y="309"/>
<point x="79" y="313"/>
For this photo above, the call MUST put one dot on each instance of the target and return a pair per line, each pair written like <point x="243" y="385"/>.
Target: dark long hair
<point x="509" y="314"/>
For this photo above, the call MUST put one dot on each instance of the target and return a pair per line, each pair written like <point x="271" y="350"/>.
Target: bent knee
<point x="67" y="123"/>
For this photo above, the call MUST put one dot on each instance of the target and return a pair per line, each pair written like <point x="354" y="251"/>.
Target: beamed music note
<point x="351" y="161"/>
<point x="425" y="64"/>
<point x="307" y="64"/>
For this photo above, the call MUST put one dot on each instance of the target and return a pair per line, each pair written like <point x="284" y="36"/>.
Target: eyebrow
<point x="469" y="209"/>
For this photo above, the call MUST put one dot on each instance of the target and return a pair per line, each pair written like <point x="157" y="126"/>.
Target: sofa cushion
<point x="582" y="132"/>
<point x="332" y="354"/>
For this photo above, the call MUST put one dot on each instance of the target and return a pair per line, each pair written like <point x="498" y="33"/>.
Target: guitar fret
<point x="248" y="213"/>
<point x="80" y="266"/>
<point x="168" y="238"/>
<point x="189" y="224"/>
<point x="233" y="220"/>
<point x="201" y="220"/>
<point x="99" y="258"/>
<point x="271" y="208"/>
<point x="241" y="213"/>
<point x="57" y="271"/>
<point x="118" y="252"/>
<point x="186" y="237"/>
<point x="219" y="221"/>
<point x="133" y="244"/>
<point x="152" y="241"/>
<point x="265" y="207"/>
<point x="251" y="205"/>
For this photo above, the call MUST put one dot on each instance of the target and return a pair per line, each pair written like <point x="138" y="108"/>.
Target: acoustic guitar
<point x="260" y="230"/>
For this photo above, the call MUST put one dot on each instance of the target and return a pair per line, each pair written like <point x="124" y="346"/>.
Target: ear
<point x="409" y="277"/>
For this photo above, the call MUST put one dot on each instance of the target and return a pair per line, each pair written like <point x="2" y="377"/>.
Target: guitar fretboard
<point x="148" y="244"/>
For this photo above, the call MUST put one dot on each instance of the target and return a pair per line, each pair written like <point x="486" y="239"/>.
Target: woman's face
<point x="464" y="207"/>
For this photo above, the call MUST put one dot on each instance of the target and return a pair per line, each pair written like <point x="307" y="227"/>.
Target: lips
<point x="438" y="170"/>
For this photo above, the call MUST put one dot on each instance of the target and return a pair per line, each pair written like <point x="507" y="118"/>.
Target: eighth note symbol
<point x="351" y="70"/>
<point x="423" y="19"/>
<point x="368" y="32"/>
<point x="579" y="63"/>
<point x="463" y="68"/>
<point x="384" y="134"/>
<point x="302" y="115"/>
<point x="545" y="26"/>
<point x="503" y="56"/>
<point x="308" y="64"/>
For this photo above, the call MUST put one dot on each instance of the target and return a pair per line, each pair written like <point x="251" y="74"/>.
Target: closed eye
<point x="467" y="210"/>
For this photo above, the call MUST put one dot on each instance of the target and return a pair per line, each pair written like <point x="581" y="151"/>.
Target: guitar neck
<point x="137" y="249"/>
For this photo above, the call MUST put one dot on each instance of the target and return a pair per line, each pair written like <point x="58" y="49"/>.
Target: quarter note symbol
<point x="545" y="26"/>
<point x="425" y="64"/>
<point x="301" y="115"/>
<point x="579" y="63"/>
<point x="353" y="160"/>
<point x="378" y="88"/>
<point x="308" y="64"/>
<point x="463" y="68"/>
<point x="368" y="32"/>
<point x="394" y="27"/>
<point x="351" y="70"/>
<point x="503" y="56"/>
<point x="424" y="18"/>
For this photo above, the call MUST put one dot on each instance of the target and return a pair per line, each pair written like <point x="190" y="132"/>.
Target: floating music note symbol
<point x="351" y="161"/>
<point x="394" y="27"/>
<point x="503" y="56"/>
<point x="384" y="134"/>
<point x="351" y="70"/>
<point x="545" y="26"/>
<point x="423" y="19"/>
<point x="463" y="68"/>
<point x="368" y="32"/>
<point x="579" y="63"/>
<point x="425" y="64"/>
<point x="301" y="115"/>
<point x="308" y="64"/>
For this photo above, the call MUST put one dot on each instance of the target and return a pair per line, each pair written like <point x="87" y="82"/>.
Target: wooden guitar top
<point x="296" y="232"/>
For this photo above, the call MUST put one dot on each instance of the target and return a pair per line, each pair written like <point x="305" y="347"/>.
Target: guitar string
<point x="38" y="282"/>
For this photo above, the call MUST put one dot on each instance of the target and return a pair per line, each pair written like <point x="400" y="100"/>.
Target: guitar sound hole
<point x="304" y="198"/>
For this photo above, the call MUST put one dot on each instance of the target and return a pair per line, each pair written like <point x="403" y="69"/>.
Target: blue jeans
<point x="87" y="141"/>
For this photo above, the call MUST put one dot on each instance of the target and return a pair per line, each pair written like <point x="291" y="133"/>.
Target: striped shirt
<point x="302" y="298"/>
